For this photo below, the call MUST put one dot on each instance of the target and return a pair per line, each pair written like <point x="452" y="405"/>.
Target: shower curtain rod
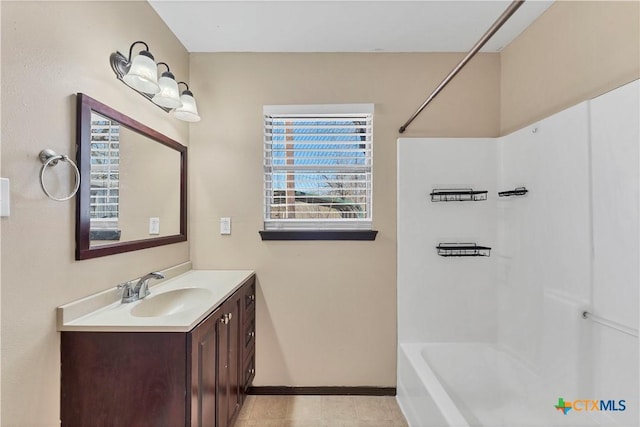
<point x="484" y="39"/>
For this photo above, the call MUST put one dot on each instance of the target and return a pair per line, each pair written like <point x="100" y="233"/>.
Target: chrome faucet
<point x="140" y="290"/>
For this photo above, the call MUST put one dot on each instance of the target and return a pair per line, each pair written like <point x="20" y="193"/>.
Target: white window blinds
<point x="318" y="166"/>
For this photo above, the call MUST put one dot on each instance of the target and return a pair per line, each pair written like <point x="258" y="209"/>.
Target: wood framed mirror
<point x="133" y="188"/>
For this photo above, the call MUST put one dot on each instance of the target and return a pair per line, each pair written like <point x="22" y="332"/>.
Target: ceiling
<point x="342" y="26"/>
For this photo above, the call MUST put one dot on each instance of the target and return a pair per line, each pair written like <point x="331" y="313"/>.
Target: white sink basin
<point x="171" y="302"/>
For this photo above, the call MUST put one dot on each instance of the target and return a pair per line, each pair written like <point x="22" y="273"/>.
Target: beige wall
<point x="50" y="51"/>
<point x="326" y="310"/>
<point x="575" y="51"/>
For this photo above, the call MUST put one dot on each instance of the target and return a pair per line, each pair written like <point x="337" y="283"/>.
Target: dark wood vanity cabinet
<point x="154" y="379"/>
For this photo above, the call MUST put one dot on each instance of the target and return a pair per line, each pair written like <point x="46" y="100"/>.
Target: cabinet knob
<point x="251" y="371"/>
<point x="226" y="318"/>
<point x="251" y="297"/>
<point x="251" y="334"/>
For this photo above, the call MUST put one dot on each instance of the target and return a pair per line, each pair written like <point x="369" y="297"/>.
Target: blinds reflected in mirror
<point x="105" y="177"/>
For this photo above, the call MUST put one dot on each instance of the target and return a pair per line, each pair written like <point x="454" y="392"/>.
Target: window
<point x="105" y="178"/>
<point x="318" y="167"/>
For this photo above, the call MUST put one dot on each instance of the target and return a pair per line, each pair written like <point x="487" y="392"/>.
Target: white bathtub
<point x="480" y="384"/>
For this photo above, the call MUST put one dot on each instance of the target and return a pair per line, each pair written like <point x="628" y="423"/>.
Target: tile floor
<point x="320" y="411"/>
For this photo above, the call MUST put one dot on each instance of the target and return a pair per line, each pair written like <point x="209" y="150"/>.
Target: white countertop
<point x="118" y="317"/>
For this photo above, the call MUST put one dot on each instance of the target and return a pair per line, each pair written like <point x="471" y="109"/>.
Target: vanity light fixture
<point x="142" y="71"/>
<point x="141" y="74"/>
<point x="189" y="111"/>
<point x="169" y="94"/>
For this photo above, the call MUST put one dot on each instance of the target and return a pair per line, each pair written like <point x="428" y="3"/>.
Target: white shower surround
<point x="570" y="244"/>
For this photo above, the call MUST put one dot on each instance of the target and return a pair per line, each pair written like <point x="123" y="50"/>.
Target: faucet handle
<point x="127" y="291"/>
<point x="125" y="285"/>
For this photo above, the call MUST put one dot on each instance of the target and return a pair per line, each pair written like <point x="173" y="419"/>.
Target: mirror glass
<point x="133" y="184"/>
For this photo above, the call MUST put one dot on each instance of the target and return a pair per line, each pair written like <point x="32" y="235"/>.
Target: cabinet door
<point x="222" y="371"/>
<point x="234" y="357"/>
<point x="229" y="397"/>
<point x="123" y="379"/>
<point x="204" y="362"/>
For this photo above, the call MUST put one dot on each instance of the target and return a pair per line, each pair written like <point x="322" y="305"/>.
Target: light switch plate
<point x="4" y="197"/>
<point x="154" y="225"/>
<point x="225" y="225"/>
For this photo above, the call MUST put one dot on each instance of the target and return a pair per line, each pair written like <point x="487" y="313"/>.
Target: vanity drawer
<point x="249" y="301"/>
<point x="249" y="335"/>
<point x="249" y="371"/>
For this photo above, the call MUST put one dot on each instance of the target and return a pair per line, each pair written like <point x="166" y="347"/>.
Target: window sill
<point x="318" y="234"/>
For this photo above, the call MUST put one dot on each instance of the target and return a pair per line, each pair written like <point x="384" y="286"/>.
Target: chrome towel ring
<point x="50" y="158"/>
